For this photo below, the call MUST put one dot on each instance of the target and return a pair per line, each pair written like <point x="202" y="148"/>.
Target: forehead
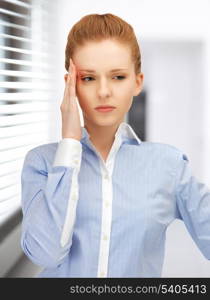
<point x="111" y="54"/>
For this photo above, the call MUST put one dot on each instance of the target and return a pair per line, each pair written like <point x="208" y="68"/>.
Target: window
<point x="26" y="88"/>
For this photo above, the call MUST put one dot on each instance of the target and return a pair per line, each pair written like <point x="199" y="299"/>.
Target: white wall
<point x="175" y="72"/>
<point x="174" y="75"/>
<point x="176" y="60"/>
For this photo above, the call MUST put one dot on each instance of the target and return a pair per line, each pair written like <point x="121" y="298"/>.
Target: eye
<point x="85" y="78"/>
<point x="120" y="77"/>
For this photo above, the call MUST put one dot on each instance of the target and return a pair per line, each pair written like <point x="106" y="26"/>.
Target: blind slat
<point x="9" y="180"/>
<point x="13" y="154"/>
<point x="23" y="129"/>
<point x="11" y="13"/>
<point x="23" y="141"/>
<point x="19" y="3"/>
<point x="8" y="192"/>
<point x="24" y="74"/>
<point x="35" y="53"/>
<point x="34" y="64"/>
<point x="24" y="85"/>
<point x="45" y="42"/>
<point x="23" y="119"/>
<point x="12" y="25"/>
<point x="24" y="97"/>
<point x="11" y="167"/>
<point x="9" y="36"/>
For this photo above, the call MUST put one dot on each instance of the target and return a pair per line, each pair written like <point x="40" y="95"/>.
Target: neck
<point x="102" y="137"/>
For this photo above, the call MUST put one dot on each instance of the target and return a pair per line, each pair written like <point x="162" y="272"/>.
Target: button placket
<point x="107" y="194"/>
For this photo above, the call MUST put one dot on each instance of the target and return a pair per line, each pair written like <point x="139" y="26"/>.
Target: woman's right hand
<point x="71" y="126"/>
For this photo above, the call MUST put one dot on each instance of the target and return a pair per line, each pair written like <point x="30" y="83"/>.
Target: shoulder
<point x="163" y="151"/>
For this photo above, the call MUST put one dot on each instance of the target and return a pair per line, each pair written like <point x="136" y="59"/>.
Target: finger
<point x="73" y="70"/>
<point x="67" y="88"/>
<point x="72" y="77"/>
<point x="69" y="72"/>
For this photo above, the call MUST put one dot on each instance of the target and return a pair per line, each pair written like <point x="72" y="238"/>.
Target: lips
<point x="105" y="108"/>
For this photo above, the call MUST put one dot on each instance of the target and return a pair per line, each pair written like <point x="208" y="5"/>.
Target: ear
<point x="65" y="77"/>
<point x="138" y="84"/>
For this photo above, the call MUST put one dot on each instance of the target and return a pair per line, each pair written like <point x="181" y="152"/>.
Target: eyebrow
<point x="113" y="70"/>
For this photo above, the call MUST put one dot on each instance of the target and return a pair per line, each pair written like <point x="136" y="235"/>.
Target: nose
<point x="104" y="89"/>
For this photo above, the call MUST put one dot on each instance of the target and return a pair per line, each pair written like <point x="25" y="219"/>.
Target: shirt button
<point x="74" y="197"/>
<point x="106" y="176"/>
<point x="105" y="237"/>
<point x="102" y="273"/>
<point x="107" y="203"/>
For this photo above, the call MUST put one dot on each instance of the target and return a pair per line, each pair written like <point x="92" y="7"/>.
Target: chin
<point x="106" y="122"/>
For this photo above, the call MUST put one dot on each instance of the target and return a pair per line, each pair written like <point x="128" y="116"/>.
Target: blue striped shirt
<point x="86" y="217"/>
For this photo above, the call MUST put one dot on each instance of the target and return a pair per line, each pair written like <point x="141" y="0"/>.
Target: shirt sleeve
<point x="49" y="201"/>
<point x="193" y="205"/>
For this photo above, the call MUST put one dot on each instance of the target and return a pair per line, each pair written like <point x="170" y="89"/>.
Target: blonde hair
<point x="96" y="27"/>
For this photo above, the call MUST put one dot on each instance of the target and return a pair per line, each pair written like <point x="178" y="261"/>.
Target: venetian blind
<point x="26" y="88"/>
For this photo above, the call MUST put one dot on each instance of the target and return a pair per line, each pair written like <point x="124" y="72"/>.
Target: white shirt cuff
<point x="68" y="153"/>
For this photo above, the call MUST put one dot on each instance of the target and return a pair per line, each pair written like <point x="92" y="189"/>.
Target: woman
<point x="98" y="202"/>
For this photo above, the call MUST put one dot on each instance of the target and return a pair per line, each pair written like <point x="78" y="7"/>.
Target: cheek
<point x="126" y="95"/>
<point x="80" y="91"/>
<point x="83" y="99"/>
<point x="127" y="102"/>
<point x="78" y="88"/>
<point x="83" y="90"/>
<point x="126" y="88"/>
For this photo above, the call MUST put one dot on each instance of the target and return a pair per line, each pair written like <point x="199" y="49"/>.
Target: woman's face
<point x="103" y="86"/>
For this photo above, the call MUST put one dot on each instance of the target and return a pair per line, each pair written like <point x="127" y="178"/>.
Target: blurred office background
<point x="173" y="107"/>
